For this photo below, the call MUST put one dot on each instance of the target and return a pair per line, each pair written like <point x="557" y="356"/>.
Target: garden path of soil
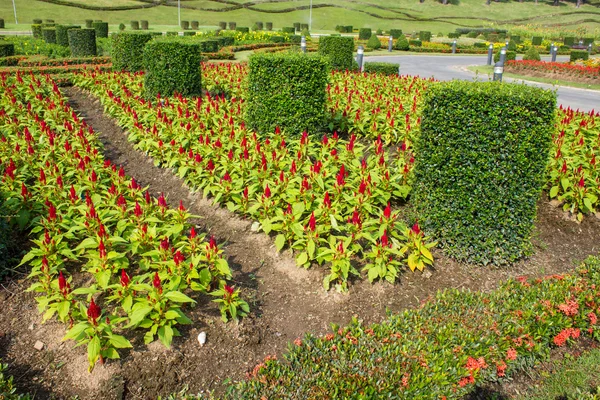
<point x="286" y="301"/>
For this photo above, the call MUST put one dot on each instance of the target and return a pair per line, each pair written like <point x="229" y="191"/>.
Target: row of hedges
<point x="136" y="25"/>
<point x="258" y="26"/>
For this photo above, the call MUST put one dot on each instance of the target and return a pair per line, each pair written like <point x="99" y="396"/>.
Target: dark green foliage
<point x="402" y="43"/>
<point x="303" y="27"/>
<point x="588" y="40"/>
<point x="480" y="31"/>
<point x="222" y="25"/>
<point x="425" y="36"/>
<point x="510" y="55"/>
<point x="185" y="25"/>
<point x="88" y="23"/>
<point x="288" y="29"/>
<point x="195" y="25"/>
<point x="480" y="164"/>
<point x="537" y="40"/>
<point x="37" y="21"/>
<point x="128" y="51"/>
<point x="189" y="33"/>
<point x="172" y="65"/>
<point x="378" y="32"/>
<point x="50" y="21"/>
<point x="135" y="25"/>
<point x="269" y="26"/>
<point x="297" y="26"/>
<point x="415" y="42"/>
<point x="61" y="33"/>
<point x="569" y="41"/>
<point x="1" y="23"/>
<point x="209" y="46"/>
<point x="145" y="24"/>
<point x="121" y="27"/>
<point x="232" y="26"/>
<point x="101" y="29"/>
<point x="453" y="35"/>
<point x="395" y="33"/>
<point x="374" y="43"/>
<point x="515" y="38"/>
<point x="480" y="45"/>
<point x="7" y="49"/>
<point x="277" y="39"/>
<point x="243" y="29"/>
<point x="36" y="30"/>
<point x="532" y="54"/>
<point x="82" y="42"/>
<point x="348" y="29"/>
<point x="579" y="55"/>
<point x="49" y="35"/>
<point x="512" y="46"/>
<point x="172" y="33"/>
<point x="259" y="26"/>
<point x="364" y="33"/>
<point x="338" y="49"/>
<point x="493" y="37"/>
<point x="472" y="34"/>
<point x="287" y="90"/>
<point x="295" y="39"/>
<point x="381" y="68"/>
<point x="226" y="41"/>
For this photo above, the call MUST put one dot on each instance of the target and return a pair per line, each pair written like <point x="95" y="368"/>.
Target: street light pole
<point x="15" y="10"/>
<point x="310" y="17"/>
<point x="178" y="13"/>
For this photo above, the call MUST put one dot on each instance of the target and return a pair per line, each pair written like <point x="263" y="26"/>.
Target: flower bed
<point x="566" y="71"/>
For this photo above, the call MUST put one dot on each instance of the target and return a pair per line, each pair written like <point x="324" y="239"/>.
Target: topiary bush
<point x="88" y="23"/>
<point x="101" y="29"/>
<point x="232" y="26"/>
<point x="515" y="38"/>
<point x="121" y="27"/>
<point x="510" y="55"/>
<point x="269" y="26"/>
<point x="579" y="55"/>
<point x="374" y="43"/>
<point x="195" y="25"/>
<point x="7" y="49"/>
<point x="61" y="34"/>
<point x="2" y="23"/>
<point x="480" y="164"/>
<point x="381" y="68"/>
<point x="532" y="54"/>
<point x="288" y="29"/>
<point x="49" y="35"/>
<point x="243" y="29"/>
<point x="588" y="40"/>
<point x="277" y="39"/>
<point x="303" y="27"/>
<point x="537" y="40"/>
<point x="297" y="26"/>
<point x="287" y="90"/>
<point x="425" y="36"/>
<point x="395" y="33"/>
<point x="453" y="35"/>
<point x="364" y="34"/>
<point x="338" y="49"/>
<point x="569" y="41"/>
<point x="415" y="42"/>
<point x="512" y="45"/>
<point x="37" y="21"/>
<point x="82" y="42"/>
<point x="128" y="51"/>
<point x="185" y="25"/>
<point x="36" y="31"/>
<point x="172" y="65"/>
<point x="402" y="43"/>
<point x="145" y="25"/>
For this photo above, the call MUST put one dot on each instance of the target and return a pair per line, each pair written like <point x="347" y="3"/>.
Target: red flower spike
<point x="384" y="240"/>
<point x="124" y="278"/>
<point x="181" y="208"/>
<point x="312" y="223"/>
<point x="327" y="200"/>
<point x="228" y="290"/>
<point x="156" y="283"/>
<point x="387" y="212"/>
<point x="192" y="233"/>
<point x="93" y="312"/>
<point x="267" y="193"/>
<point x="164" y="244"/>
<point x="62" y="282"/>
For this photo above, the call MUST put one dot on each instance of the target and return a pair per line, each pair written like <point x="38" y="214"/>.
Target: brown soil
<point x="552" y="75"/>
<point x="286" y="301"/>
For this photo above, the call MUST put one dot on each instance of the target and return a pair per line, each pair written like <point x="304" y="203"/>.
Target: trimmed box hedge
<point x="588" y="40"/>
<point x="269" y="26"/>
<point x="569" y="41"/>
<point x="172" y="65"/>
<point x="515" y="38"/>
<point x="243" y="29"/>
<point x="453" y="35"/>
<point x="128" y="51"/>
<point x="2" y="23"/>
<point x="82" y="42"/>
<point x="287" y="90"/>
<point x="62" y="38"/>
<point x="288" y="29"/>
<point x="425" y="36"/>
<point x="480" y="164"/>
<point x="537" y="40"/>
<point x="338" y="49"/>
<point x="36" y="31"/>
<point x="145" y="25"/>
<point x="7" y="49"/>
<point x="49" y="35"/>
<point x="579" y="55"/>
<point x="195" y="25"/>
<point x="232" y="26"/>
<point x="135" y="25"/>
<point x="89" y="23"/>
<point x="364" y="33"/>
<point x="395" y="33"/>
<point x="222" y="25"/>
<point x="297" y="25"/>
<point x="101" y="29"/>
<point x="415" y="42"/>
<point x="510" y="55"/>
<point x="37" y="21"/>
<point x="209" y="45"/>
<point x="381" y="68"/>
<point x="185" y="25"/>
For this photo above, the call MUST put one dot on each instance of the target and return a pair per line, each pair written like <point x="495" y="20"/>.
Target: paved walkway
<point x="446" y="68"/>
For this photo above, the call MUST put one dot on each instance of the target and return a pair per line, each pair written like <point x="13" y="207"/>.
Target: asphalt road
<point x="446" y="68"/>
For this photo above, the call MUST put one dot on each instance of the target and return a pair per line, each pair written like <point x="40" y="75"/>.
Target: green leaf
<point x="165" y="335"/>
<point x="279" y="242"/>
<point x="138" y="315"/>
<point x="119" y="342"/>
<point x="554" y="192"/>
<point x="301" y="259"/>
<point x="178" y="297"/>
<point x="93" y="351"/>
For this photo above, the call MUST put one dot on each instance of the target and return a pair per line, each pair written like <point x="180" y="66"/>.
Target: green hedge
<point x="338" y="49"/>
<point x="295" y="39"/>
<point x="2" y="23"/>
<point x="493" y="37"/>
<point x="445" y="349"/>
<point x="364" y="33"/>
<point x="532" y="54"/>
<point x="569" y="41"/>
<point x="415" y="42"/>
<point x="82" y="42"/>
<point x="515" y="38"/>
<point x="232" y="26"/>
<point x="588" y="40"/>
<point x="453" y="35"/>
<point x="209" y="45"/>
<point x="37" y="21"/>
<point x="185" y="25"/>
<point x="395" y="33"/>
<point x="49" y="35"/>
<point x="480" y="164"/>
<point x="101" y="29"/>
<point x="128" y="51"/>
<point x="381" y="68"/>
<point x="172" y="65"/>
<point x="510" y="55"/>
<point x="195" y="25"/>
<point x="374" y="43"/>
<point x="7" y="49"/>
<point x="89" y="23"/>
<point x="259" y="25"/>
<point x="579" y="55"/>
<point x="537" y="40"/>
<point x="287" y="90"/>
<point x="135" y="25"/>
<point x="297" y="26"/>
<point x="402" y="43"/>
<point x="288" y="29"/>
<point x="269" y="26"/>
<point x="62" y="37"/>
<point x="277" y="39"/>
<point x="243" y="29"/>
<point x="425" y="36"/>
<point x="145" y="25"/>
<point x="36" y="30"/>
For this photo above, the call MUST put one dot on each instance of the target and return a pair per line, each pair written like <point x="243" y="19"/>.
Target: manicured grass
<point x="488" y="70"/>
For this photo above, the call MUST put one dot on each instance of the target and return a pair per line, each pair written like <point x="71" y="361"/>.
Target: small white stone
<point x="39" y="346"/>
<point x="202" y="338"/>
<point x="255" y="226"/>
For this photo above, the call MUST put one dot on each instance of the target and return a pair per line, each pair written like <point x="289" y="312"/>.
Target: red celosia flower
<point x="124" y="278"/>
<point x="212" y="243"/>
<point x="192" y="233"/>
<point x="93" y="312"/>
<point x="327" y="200"/>
<point x="181" y="208"/>
<point x="415" y="228"/>
<point x="312" y="223"/>
<point x="51" y="212"/>
<point x="164" y="244"/>
<point x="387" y="212"/>
<point x="228" y="291"/>
<point x="267" y="193"/>
<point x="384" y="240"/>
<point x="161" y="201"/>
<point x="101" y="250"/>
<point x="178" y="258"/>
<point x="137" y="210"/>
<point x="156" y="283"/>
<point x="62" y="282"/>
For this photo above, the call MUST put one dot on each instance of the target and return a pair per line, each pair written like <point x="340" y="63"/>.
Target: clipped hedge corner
<point x="381" y="68"/>
<point x="480" y="164"/>
<point x="128" y="51"/>
<point x="82" y="42"/>
<point x="287" y="90"/>
<point x="338" y="49"/>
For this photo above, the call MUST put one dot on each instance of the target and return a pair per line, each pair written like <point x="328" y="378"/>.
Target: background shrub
<point x="395" y="33"/>
<point x="145" y="24"/>
<point x="269" y="26"/>
<point x="172" y="65"/>
<point x="61" y="33"/>
<point x="88" y="23"/>
<point x="121" y="27"/>
<point x="7" y="49"/>
<point x="37" y="21"/>
<point x="49" y="35"/>
<point x="364" y="34"/>
<point x="82" y="42"/>
<point x="480" y="164"/>
<point x="101" y="29"/>
<point x="195" y="25"/>
<point x="381" y="68"/>
<point x="569" y="41"/>
<point x="232" y="26"/>
<point x="288" y="29"/>
<point x="209" y="46"/>
<point x="243" y="29"/>
<point x="402" y="43"/>
<point x="338" y="49"/>
<point x="579" y="55"/>
<point x="259" y="26"/>
<point x="510" y="55"/>
<point x="2" y="23"/>
<point x="588" y="40"/>
<point x="287" y="90"/>
<point x="135" y="25"/>
<point x="537" y="40"/>
<point x="472" y="34"/>
<point x="532" y="54"/>
<point x="128" y="51"/>
<point x="36" y="30"/>
<point x="453" y="35"/>
<point x="493" y="37"/>
<point x="515" y="38"/>
<point x="512" y="45"/>
<point x="425" y="36"/>
<point x="297" y="26"/>
<point x="415" y="42"/>
<point x="295" y="39"/>
<point x="303" y="27"/>
<point x="374" y="43"/>
<point x="185" y="25"/>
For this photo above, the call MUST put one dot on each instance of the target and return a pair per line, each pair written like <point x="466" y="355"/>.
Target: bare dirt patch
<point x="286" y="301"/>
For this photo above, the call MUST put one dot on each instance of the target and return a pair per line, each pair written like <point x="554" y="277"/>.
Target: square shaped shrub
<point x="144" y="24"/>
<point x="209" y="46"/>
<point x="569" y="41"/>
<point x="88" y="23"/>
<point x="195" y="25"/>
<point x="269" y="26"/>
<point x="537" y="40"/>
<point x="232" y="26"/>
<point x="588" y="40"/>
<point x="1" y="23"/>
<point x="288" y="29"/>
<point x="415" y="42"/>
<point x="101" y="29"/>
<point x="135" y="25"/>
<point x="49" y="35"/>
<point x="480" y="165"/>
<point x="381" y="68"/>
<point x="243" y="29"/>
<point x="425" y="36"/>
<point x="395" y="33"/>
<point x="364" y="33"/>
<point x="287" y="90"/>
<point x="62" y="37"/>
<point x="82" y="42"/>
<point x="7" y="49"/>
<point x="579" y="55"/>
<point x="172" y="65"/>
<point x="128" y="51"/>
<point x="516" y="39"/>
<point x="222" y="25"/>
<point x="339" y="50"/>
<point x="185" y="25"/>
<point x="36" y="31"/>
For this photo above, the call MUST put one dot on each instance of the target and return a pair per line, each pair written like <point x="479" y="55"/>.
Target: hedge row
<point x="49" y="35"/>
<point x="338" y="49"/>
<point x="128" y="51"/>
<point x="364" y="33"/>
<point x="82" y="42"/>
<point x="381" y="67"/>
<point x="101" y="29"/>
<point x="62" y="38"/>
<point x="7" y="49"/>
<point x="395" y="33"/>
<point x="480" y="169"/>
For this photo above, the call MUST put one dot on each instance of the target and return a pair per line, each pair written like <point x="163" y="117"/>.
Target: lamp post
<point x="359" y="57"/>
<point x="502" y="56"/>
<point x="454" y="47"/>
<point x="590" y="49"/>
<point x="15" y="10"/>
<point x="498" y="70"/>
<point x="390" y="43"/>
<point x="310" y="17"/>
<point x="553" y="52"/>
<point x="490" y="54"/>
<point x="303" y="44"/>
<point x="178" y="13"/>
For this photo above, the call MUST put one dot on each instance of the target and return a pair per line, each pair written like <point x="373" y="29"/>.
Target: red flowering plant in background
<point x="230" y="303"/>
